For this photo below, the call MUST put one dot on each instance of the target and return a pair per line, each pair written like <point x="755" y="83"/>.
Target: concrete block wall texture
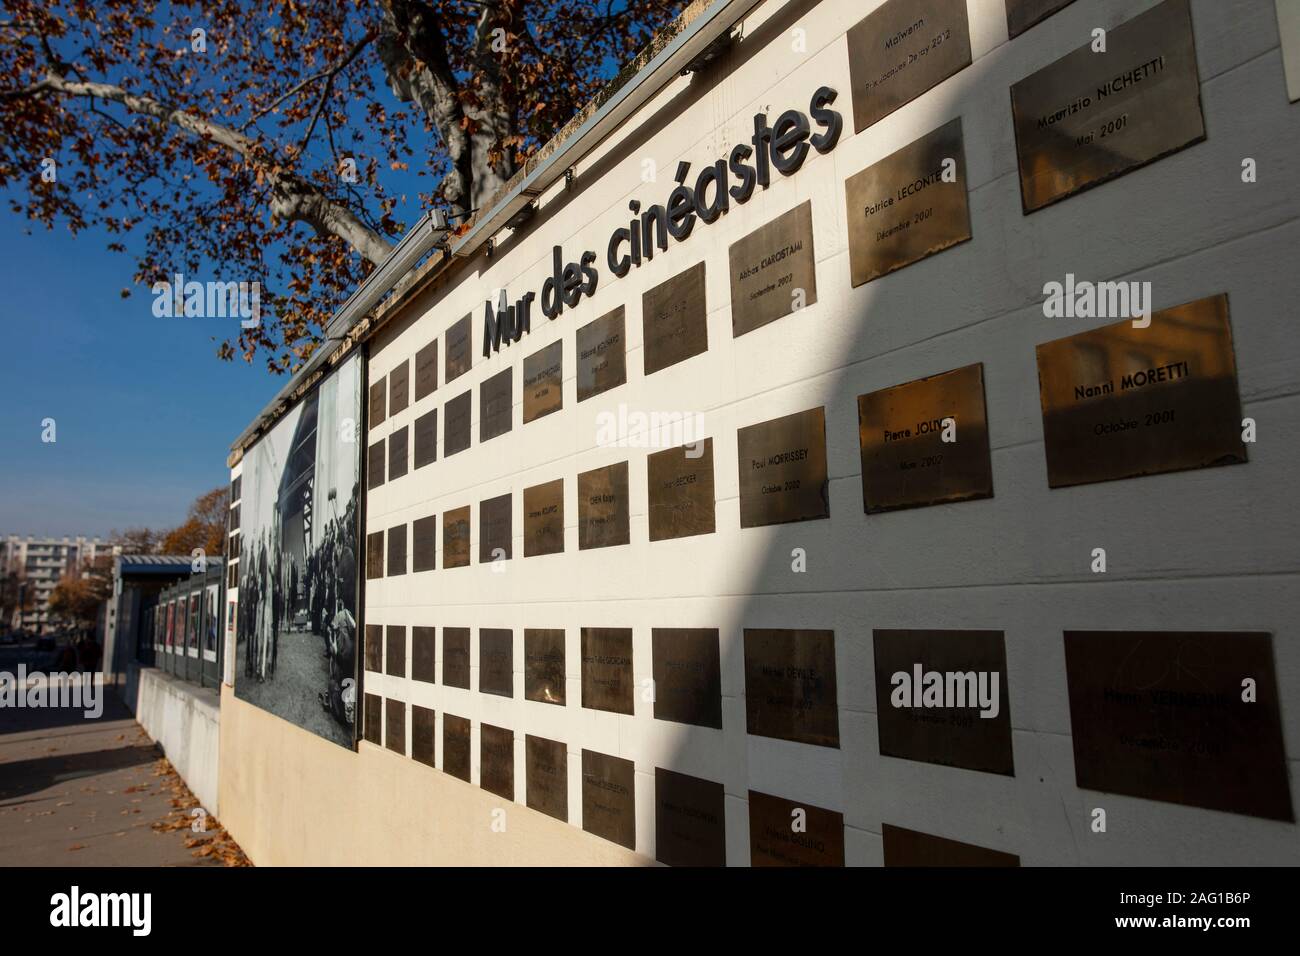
<point x="185" y="721"/>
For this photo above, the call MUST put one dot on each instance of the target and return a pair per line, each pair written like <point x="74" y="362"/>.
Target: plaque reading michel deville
<point x="1090" y="117"/>
<point x="903" y="432"/>
<point x="603" y="507"/>
<point x="773" y="271"/>
<point x="909" y="205"/>
<point x="1161" y="715"/>
<point x="1121" y="401"/>
<point x="782" y="466"/>
<point x="773" y="841"/>
<point x="674" y="320"/>
<point x="790" y="688"/>
<point x="680" y="484"/>
<point x="602" y="355"/>
<point x="544" y="518"/>
<point x="544" y="381"/>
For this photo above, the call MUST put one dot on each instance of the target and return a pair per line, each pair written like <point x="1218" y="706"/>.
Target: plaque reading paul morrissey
<point x="680" y="484"/>
<point x="1161" y="715"/>
<point x="457" y="355"/>
<point x="455" y="657"/>
<point x="496" y="761"/>
<point x="1023" y="14"/>
<point x="603" y="507"/>
<point x="423" y="652"/>
<point x="773" y="841"/>
<point x="494" y="529"/>
<point x="773" y="271"/>
<point x="674" y="320"/>
<point x="602" y="355"/>
<point x="903" y="432"/>
<point x="373" y="714"/>
<point x="609" y="798"/>
<point x="790" y="689"/>
<point x="399" y="388"/>
<point x="909" y="205"/>
<point x="423" y="722"/>
<point x="687" y="675"/>
<point x="1121" y="401"/>
<point x="912" y="848"/>
<point x="543" y="385"/>
<point x="495" y="397"/>
<point x="455" y="746"/>
<point x="607" y="669"/>
<point x="544" y="679"/>
<point x="690" y="820"/>
<point x="455" y="538"/>
<point x="426" y="370"/>
<point x="395" y="726"/>
<point x="1090" y="117"/>
<point x="783" y="470"/>
<point x="942" y="697"/>
<point x="901" y="50"/>
<point x="544" y="519"/>
<point x="496" y="661"/>
<point x="546" y="776"/>
<point x="456" y="424"/>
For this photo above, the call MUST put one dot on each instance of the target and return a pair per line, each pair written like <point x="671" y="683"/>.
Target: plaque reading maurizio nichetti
<point x="544" y="677"/>
<point x="609" y="798"/>
<point x="374" y="655"/>
<point x="607" y="669"/>
<point x="903" y="49"/>
<point x="395" y="650"/>
<point x="909" y="205"/>
<point x="1090" y="117"/>
<point x="456" y="424"/>
<point x="424" y="543"/>
<point x="674" y="320"/>
<point x="457" y="356"/>
<point x="1125" y="400"/>
<point x="603" y="507"/>
<point x="602" y="355"/>
<point x="423" y="724"/>
<point x="680" y="484"/>
<point x="455" y="538"/>
<point x="496" y="760"/>
<point x="925" y="442"/>
<point x="426" y="370"/>
<point x="1023" y="14"/>
<point x="905" y="847"/>
<point x="543" y="381"/>
<point x="426" y="438"/>
<point x="496" y="661"/>
<point x="378" y="409"/>
<point x="395" y="726"/>
<point x="546" y="776"/>
<point x="494" y="529"/>
<point x="942" y="698"/>
<point x="790" y="689"/>
<point x="544" y="519"/>
<point x="399" y="388"/>
<point x="773" y="271"/>
<point x="1188" y="717"/>
<point x="782" y="466"/>
<point x="455" y="746"/>
<point x="373" y="712"/>
<point x="690" y="820"/>
<point x="788" y="833"/>
<point x="495" y="405"/>
<point x="687" y="675"/>
<point x="455" y="657"/>
<point x="423" y="653"/>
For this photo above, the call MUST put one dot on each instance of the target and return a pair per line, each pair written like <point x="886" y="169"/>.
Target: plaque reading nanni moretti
<point x="455" y="746"/>
<point x="773" y="840"/>
<point x="925" y="442"/>
<point x="674" y="320"/>
<point x="942" y="698"/>
<point x="456" y="424"/>
<point x="496" y="657"/>
<point x="457" y="356"/>
<point x="496" y="748"/>
<point x="602" y="355"/>
<point x="903" y="49"/>
<point x="544" y="519"/>
<point x="494" y="529"/>
<point x="790" y="688"/>
<point x="543" y="381"/>
<point x="455" y="538"/>
<point x="544" y="675"/>
<point x="909" y="205"/>
<point x="680" y="484"/>
<point x="1122" y="401"/>
<point x="603" y="507"/>
<point x="905" y="847"/>
<point x="495" y="405"/>
<point x="773" y="271"/>
<point x="607" y="669"/>
<point x="1023" y="14"/>
<point x="609" y="798"/>
<point x="1167" y="715"/>
<point x="455" y="657"/>
<point x="687" y="675"/>
<point x="690" y="820"/>
<point x="1090" y="117"/>
<point x="782" y="466"/>
<point x="546" y="776"/>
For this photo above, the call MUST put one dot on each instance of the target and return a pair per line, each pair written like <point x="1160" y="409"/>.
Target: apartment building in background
<point x="39" y="564"/>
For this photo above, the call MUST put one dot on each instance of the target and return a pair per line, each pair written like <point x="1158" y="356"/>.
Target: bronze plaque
<point x="1120" y="401"/>
<point x="1161" y="715"/>
<point x="426" y="370"/>
<point x="903" y="432"/>
<point x="374" y="656"/>
<point x="496" y="760"/>
<point x="912" y="848"/>
<point x="901" y="50"/>
<point x="1090" y="117"/>
<point x="395" y="650"/>
<point x="423" y="722"/>
<point x="398" y="447"/>
<point x="942" y="697"/>
<point x="690" y="820"/>
<point x="494" y="529"/>
<point x="674" y="320"/>
<point x="378" y="409"/>
<point x="790" y="690"/>
<point x="455" y="746"/>
<point x="423" y="654"/>
<point x="375" y="465"/>
<point x="455" y="657"/>
<point x="773" y="271"/>
<point x="680" y="489"/>
<point x="496" y="661"/>
<point x="607" y="669"/>
<point x="603" y="507"/>
<point x="495" y="398"/>
<point x="458" y="355"/>
<point x="455" y="538"/>
<point x="544" y="676"/>
<point x="602" y="355"/>
<point x="397" y="550"/>
<point x="782" y="466"/>
<point x="543" y="381"/>
<point x="903" y="209"/>
<point x="546" y="776"/>
<point x="687" y="675"/>
<point x="374" y="709"/>
<point x="456" y="424"/>
<point x="544" y="519"/>
<point x="787" y="833"/>
<point x="395" y="726"/>
<point x="426" y="438"/>
<point x="399" y="388"/>
<point x="424" y="543"/>
<point x="609" y="798"/>
<point x="375" y="555"/>
<point x="1023" y="14"/>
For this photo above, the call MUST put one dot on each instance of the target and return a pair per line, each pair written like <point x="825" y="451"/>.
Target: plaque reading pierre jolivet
<point x="674" y="320"/>
<point x="773" y="271"/>
<point x="457" y="354"/>
<point x="544" y="674"/>
<point x="603" y="507"/>
<point x="687" y="675"/>
<point x="495" y="398"/>
<point x="543" y="381"/>
<point x="544" y="518"/>
<point x="609" y="798"/>
<point x="690" y="820"/>
<point x="455" y="538"/>
<point x="607" y="669"/>
<point x="782" y="466"/>
<point x="790" y="687"/>
<point x="774" y="840"/>
<point x="546" y="776"/>
<point x="680" y="484"/>
<point x="905" y="847"/>
<point x="602" y="355"/>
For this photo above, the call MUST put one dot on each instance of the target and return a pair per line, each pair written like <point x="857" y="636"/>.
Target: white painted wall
<point x="185" y="721"/>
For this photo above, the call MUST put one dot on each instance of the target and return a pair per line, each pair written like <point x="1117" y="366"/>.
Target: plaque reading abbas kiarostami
<point x="607" y="669"/>
<point x="1188" y="717"/>
<point x="1122" y="400"/>
<point x="925" y="442"/>
<point x="496" y="760"/>
<point x="494" y="529"/>
<point x="690" y="820"/>
<point x="602" y="355"/>
<point x="609" y="798"/>
<point x="455" y="657"/>
<point x="674" y="320"/>
<point x="456" y="424"/>
<point x="1023" y="14"/>
<point x="457" y="356"/>
<point x="455" y="746"/>
<point x="496" y="661"/>
<point x="773" y="271"/>
<point x="909" y="205"/>
<point x="424" y="652"/>
<point x="426" y="370"/>
<point x="942" y="698"/>
<point x="603" y="507"/>
<point x="905" y="847"/>
<point x="1090" y="117"/>
<point x="903" y="49"/>
<point x="455" y="538"/>
<point x="395" y="726"/>
<point x="790" y="689"/>
<point x="544" y="519"/>
<point x="687" y="675"/>
<point x="495" y="398"/>
<point x="789" y="833"/>
<point x="680" y="483"/>
<point x="423" y="724"/>
<point x="544" y="381"/>
<point x="782" y="466"/>
<point x="546" y="776"/>
<point x="544" y="675"/>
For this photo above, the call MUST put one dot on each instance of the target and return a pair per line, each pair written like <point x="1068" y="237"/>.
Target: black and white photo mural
<point x="297" y="614"/>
